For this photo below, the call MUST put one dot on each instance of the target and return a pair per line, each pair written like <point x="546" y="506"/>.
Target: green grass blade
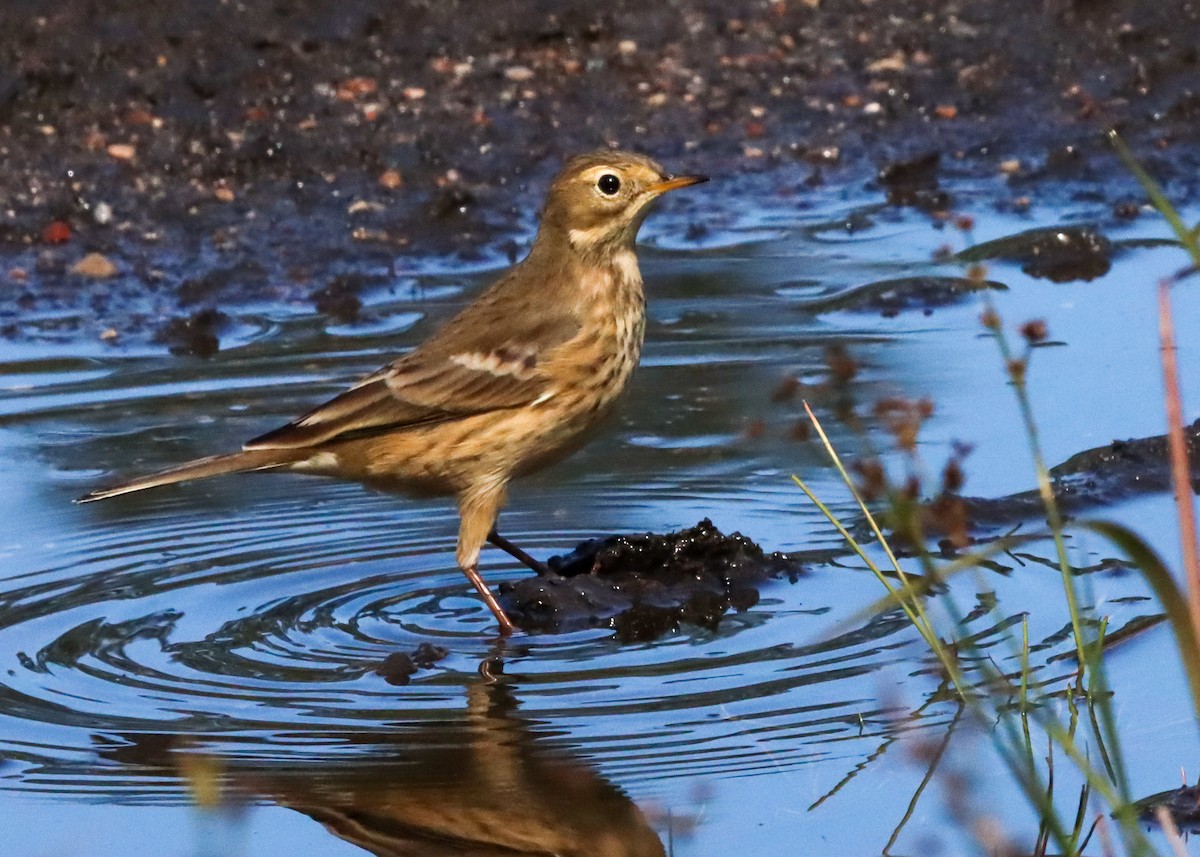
<point x="1189" y="237"/>
<point x="1158" y="576"/>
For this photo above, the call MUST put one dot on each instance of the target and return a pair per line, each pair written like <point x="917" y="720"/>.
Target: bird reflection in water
<point x="485" y="786"/>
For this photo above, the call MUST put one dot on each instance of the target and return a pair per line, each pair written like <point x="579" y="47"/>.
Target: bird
<point x="507" y="386"/>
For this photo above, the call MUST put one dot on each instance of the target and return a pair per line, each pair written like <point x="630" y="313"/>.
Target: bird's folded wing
<point x="489" y="357"/>
<point x="418" y="389"/>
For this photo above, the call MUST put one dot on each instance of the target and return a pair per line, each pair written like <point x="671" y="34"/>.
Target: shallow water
<point x="243" y="620"/>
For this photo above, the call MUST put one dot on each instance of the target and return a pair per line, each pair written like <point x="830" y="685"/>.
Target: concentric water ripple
<point x="253" y="618"/>
<point x="278" y="622"/>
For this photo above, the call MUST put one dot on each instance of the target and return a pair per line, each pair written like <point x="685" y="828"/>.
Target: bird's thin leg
<point x="478" y="510"/>
<point x="516" y="553"/>
<point x="506" y="625"/>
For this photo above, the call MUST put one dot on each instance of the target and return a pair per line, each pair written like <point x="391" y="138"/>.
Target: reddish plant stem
<point x="1177" y="446"/>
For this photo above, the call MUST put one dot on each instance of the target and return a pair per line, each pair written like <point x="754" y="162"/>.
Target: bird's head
<point x="599" y="200"/>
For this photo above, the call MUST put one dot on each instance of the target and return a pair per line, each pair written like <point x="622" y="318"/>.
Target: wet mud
<point x="1061" y="255"/>
<point x="644" y="586"/>
<point x="1093" y="478"/>
<point x="892" y="297"/>
<point x="1089" y="480"/>
<point x="165" y="158"/>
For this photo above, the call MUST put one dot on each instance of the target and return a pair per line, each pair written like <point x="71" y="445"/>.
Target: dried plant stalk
<point x="1177" y="446"/>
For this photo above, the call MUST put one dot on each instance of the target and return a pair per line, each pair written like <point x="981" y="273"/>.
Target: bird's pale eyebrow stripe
<point x="499" y="363"/>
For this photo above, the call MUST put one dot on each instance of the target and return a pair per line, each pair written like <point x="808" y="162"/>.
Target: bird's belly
<point x="563" y="439"/>
<point x="566" y="421"/>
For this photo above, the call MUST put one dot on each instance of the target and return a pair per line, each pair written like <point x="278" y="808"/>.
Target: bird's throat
<point x="610" y="280"/>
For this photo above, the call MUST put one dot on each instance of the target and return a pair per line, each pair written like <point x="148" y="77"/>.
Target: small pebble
<point x="122" y="151"/>
<point x="361" y="205"/>
<point x="95" y="265"/>
<point x="894" y="62"/>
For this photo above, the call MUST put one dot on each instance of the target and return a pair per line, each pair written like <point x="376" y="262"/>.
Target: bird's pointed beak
<point x="675" y="182"/>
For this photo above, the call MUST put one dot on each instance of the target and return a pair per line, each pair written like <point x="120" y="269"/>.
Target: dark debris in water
<point x="105" y="641"/>
<point x="914" y="182"/>
<point x="197" y="335"/>
<point x="398" y="668"/>
<point x="338" y="299"/>
<point x="1059" y="254"/>
<point x="647" y="585"/>
<point x="891" y="297"/>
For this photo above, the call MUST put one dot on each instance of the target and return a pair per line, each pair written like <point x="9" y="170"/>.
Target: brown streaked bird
<point x="506" y="386"/>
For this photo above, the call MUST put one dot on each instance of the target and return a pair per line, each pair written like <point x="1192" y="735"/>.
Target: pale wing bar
<point x="415" y="392"/>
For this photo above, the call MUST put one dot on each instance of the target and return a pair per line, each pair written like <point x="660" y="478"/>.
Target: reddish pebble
<point x="356" y="87"/>
<point x="56" y="232"/>
<point x="137" y="116"/>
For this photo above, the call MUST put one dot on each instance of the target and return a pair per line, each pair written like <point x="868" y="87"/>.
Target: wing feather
<point x="487" y="358"/>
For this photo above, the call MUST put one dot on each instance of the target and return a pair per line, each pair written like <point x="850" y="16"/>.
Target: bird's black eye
<point x="608" y="184"/>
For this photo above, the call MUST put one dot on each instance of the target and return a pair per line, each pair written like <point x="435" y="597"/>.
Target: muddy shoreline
<point x="215" y="155"/>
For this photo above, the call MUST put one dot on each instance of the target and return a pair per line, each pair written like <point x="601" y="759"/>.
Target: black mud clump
<point x="338" y="299"/>
<point x="914" y="182"/>
<point x="197" y="335"/>
<point x="1059" y="254"/>
<point x="644" y="586"/>
<point x="398" y="668"/>
<point x="1094" y="477"/>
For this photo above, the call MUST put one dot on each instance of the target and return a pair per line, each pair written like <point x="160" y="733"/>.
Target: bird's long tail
<point x="202" y="468"/>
